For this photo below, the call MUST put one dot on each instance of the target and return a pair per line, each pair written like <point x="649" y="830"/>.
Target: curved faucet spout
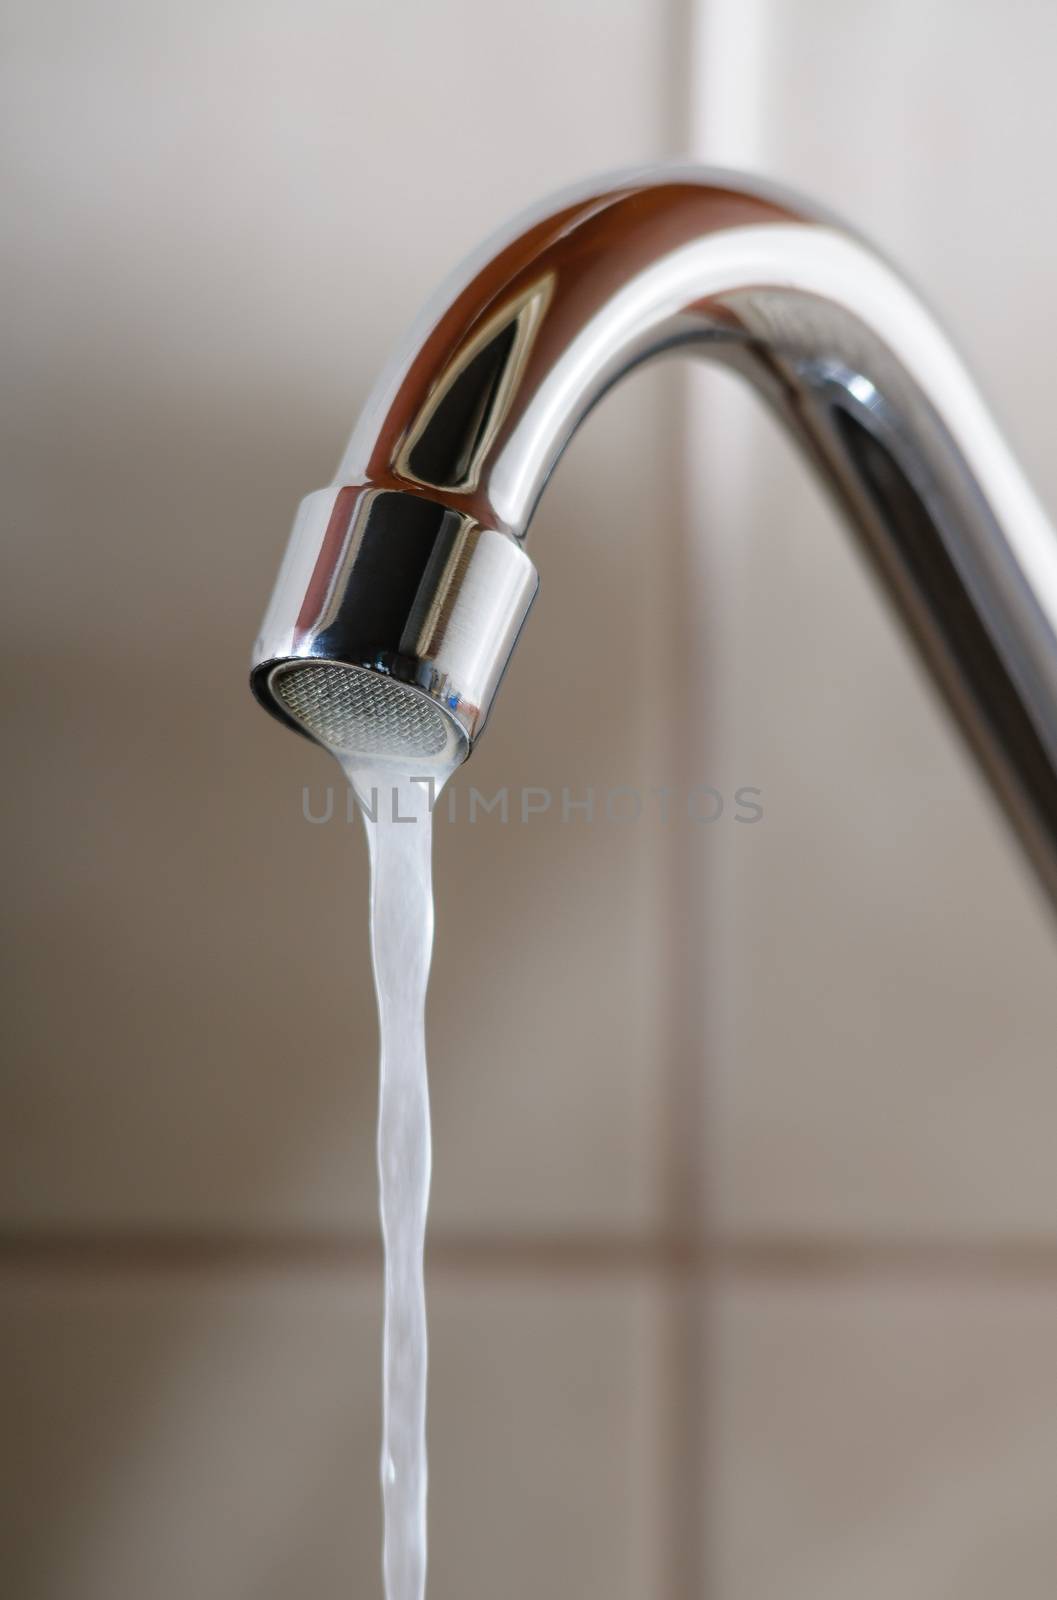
<point x="411" y="567"/>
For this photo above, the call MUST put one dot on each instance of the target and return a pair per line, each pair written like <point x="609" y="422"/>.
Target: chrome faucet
<point x="406" y="583"/>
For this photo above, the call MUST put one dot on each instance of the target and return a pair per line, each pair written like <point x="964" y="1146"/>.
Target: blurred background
<point x="743" y="1262"/>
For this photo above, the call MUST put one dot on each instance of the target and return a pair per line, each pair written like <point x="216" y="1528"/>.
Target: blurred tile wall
<point x="219" y="219"/>
<point x="743" y="1263"/>
<point x="880" y="1019"/>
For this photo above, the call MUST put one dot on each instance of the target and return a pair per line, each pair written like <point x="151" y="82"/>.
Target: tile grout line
<point x="682" y="1156"/>
<point x="772" y="1259"/>
<point x="666" y="1256"/>
<point x="690" y="968"/>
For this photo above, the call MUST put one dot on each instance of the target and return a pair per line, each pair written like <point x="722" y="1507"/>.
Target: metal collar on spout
<point x="411" y="565"/>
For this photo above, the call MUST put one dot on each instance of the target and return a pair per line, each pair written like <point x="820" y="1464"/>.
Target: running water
<point x="397" y="812"/>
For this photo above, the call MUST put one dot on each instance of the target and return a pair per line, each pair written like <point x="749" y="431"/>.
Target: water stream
<point x="397" y="813"/>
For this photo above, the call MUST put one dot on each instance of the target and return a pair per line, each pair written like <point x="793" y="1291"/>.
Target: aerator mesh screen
<point x="355" y="712"/>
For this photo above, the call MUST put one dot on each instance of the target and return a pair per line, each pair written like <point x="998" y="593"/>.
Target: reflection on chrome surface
<point x="412" y="566"/>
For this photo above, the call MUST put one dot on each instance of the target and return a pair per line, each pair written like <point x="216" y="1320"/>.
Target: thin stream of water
<point x="397" y="813"/>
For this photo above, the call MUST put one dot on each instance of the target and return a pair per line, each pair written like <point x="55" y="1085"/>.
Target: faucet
<point x="406" y="583"/>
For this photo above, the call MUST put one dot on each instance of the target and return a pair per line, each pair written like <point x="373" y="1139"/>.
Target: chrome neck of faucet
<point x="411" y="564"/>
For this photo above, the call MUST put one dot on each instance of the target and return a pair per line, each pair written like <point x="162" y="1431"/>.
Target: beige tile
<point x="191" y="1036"/>
<point x="221" y="1440"/>
<point x="887" y="976"/>
<point x="549" y="988"/>
<point x="546" y="1459"/>
<point x="190" y="1031"/>
<point x="880" y="1441"/>
<point x="885" y="972"/>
